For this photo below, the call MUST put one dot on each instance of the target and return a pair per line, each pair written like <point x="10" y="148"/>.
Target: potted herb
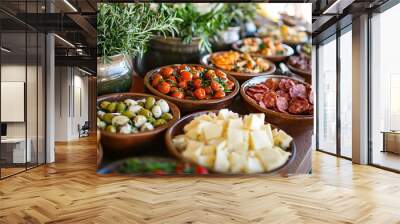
<point x="237" y="16"/>
<point x="190" y="39"/>
<point x="123" y="32"/>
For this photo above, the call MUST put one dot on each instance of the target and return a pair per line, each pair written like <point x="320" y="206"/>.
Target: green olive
<point x="104" y="105"/>
<point x="167" y="116"/>
<point x="121" y="107"/>
<point x="112" y="107"/>
<point x="145" y="113"/>
<point x="150" y="101"/>
<point x="129" y="114"/>
<point x="101" y="124"/>
<point x="108" y="118"/>
<point x="111" y="129"/>
<point x="141" y="103"/>
<point x="159" y="122"/>
<point x="151" y="120"/>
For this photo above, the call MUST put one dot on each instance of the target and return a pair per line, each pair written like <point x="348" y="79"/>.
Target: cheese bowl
<point x="178" y="129"/>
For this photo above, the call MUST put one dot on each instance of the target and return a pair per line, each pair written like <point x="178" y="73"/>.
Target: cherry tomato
<point x="167" y="71"/>
<point x="164" y="87"/>
<point x="201" y="170"/>
<point x="199" y="68"/>
<point x="216" y="86"/>
<point x="219" y="94"/>
<point x="183" y="67"/>
<point x="182" y="84"/>
<point x="187" y="76"/>
<point x="230" y="85"/>
<point x="174" y="89"/>
<point x="178" y="94"/>
<point x="220" y="74"/>
<point x="200" y="93"/>
<point x="208" y="90"/>
<point x="210" y="74"/>
<point x="197" y="83"/>
<point x="156" y="79"/>
<point x="196" y="74"/>
<point x="171" y="79"/>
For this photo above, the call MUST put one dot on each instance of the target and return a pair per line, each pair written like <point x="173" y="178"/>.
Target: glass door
<point x="326" y="130"/>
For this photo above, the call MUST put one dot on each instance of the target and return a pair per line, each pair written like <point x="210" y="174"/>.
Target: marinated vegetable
<point x="266" y="46"/>
<point x="191" y="82"/>
<point x="239" y="62"/>
<point x="132" y="116"/>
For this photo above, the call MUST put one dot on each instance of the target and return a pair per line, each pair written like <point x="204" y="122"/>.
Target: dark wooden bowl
<point x="125" y="143"/>
<point x="186" y="105"/>
<point x="275" y="58"/>
<point x="240" y="76"/>
<point x="285" y="121"/>
<point x="305" y="74"/>
<point x="177" y="129"/>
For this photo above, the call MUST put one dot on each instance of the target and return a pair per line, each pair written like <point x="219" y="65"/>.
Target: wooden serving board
<point x="302" y="137"/>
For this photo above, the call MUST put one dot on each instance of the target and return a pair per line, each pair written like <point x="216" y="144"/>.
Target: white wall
<point x="71" y="102"/>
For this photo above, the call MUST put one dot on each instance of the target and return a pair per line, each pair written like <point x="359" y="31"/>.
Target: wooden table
<point x="300" y="165"/>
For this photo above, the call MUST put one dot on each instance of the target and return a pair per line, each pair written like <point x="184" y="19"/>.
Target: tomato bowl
<point x="192" y="87"/>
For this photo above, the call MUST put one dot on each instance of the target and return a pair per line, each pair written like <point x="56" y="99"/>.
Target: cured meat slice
<point x="258" y="96"/>
<point x="282" y="104"/>
<point x="270" y="99"/>
<point x="298" y="91"/>
<point x="283" y="94"/>
<point x="256" y="89"/>
<point x="286" y="84"/>
<point x="272" y="84"/>
<point x="261" y="103"/>
<point x="298" y="106"/>
<point x="282" y="84"/>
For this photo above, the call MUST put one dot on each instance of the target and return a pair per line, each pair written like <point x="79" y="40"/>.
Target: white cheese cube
<point x="254" y="121"/>
<point x="193" y="150"/>
<point x="208" y="150"/>
<point x="238" y="139"/>
<point x="272" y="158"/>
<point x="179" y="142"/>
<point x="193" y="124"/>
<point x="282" y="139"/>
<point x="225" y="114"/>
<point x="259" y="139"/>
<point x="235" y="123"/>
<point x="267" y="129"/>
<point x="253" y="165"/>
<point x="238" y="162"/>
<point x="213" y="130"/>
<point x="221" y="163"/>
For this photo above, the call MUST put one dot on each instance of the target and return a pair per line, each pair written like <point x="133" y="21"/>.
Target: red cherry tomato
<point x="166" y="72"/>
<point x="178" y="94"/>
<point x="216" y="86"/>
<point x="156" y="79"/>
<point x="219" y="94"/>
<point x="200" y="93"/>
<point x="182" y="84"/>
<point x="197" y="83"/>
<point x="201" y="170"/>
<point x="230" y="85"/>
<point x="183" y="67"/>
<point x="164" y="87"/>
<point x="171" y="79"/>
<point x="208" y="90"/>
<point x="187" y="76"/>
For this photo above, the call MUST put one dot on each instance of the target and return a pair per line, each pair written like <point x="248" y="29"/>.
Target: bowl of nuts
<point x="128" y="121"/>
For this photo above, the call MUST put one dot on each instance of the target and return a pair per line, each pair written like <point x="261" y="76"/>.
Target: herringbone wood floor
<point x="70" y="191"/>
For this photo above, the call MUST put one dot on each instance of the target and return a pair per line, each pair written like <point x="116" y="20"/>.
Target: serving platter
<point x="275" y="58"/>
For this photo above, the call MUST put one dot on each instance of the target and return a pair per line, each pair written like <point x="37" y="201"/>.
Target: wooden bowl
<point x="186" y="105"/>
<point x="286" y="121"/>
<point x="125" y="143"/>
<point x="275" y="58"/>
<point x="306" y="75"/>
<point x="177" y="129"/>
<point x="240" y="76"/>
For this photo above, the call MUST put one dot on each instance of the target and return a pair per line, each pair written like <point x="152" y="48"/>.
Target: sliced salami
<point x="282" y="104"/>
<point x="283" y="94"/>
<point x="272" y="84"/>
<point x="270" y="99"/>
<point x="298" y="91"/>
<point x="255" y="89"/>
<point x="298" y="106"/>
<point x="258" y="96"/>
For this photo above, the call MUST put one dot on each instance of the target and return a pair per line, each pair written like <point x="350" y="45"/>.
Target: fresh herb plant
<point x="127" y="28"/>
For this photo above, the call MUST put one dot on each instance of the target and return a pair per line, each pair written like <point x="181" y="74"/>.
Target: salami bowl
<point x="286" y="102"/>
